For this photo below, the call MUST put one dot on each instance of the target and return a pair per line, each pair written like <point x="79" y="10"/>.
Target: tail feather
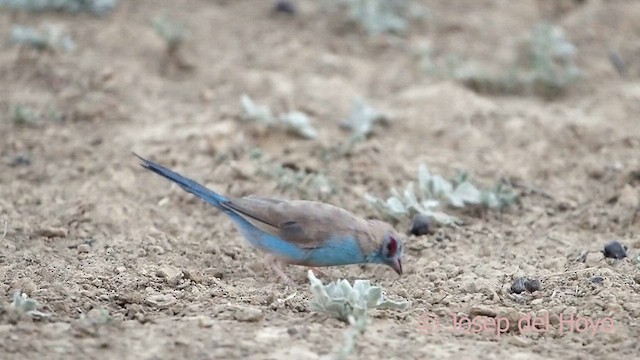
<point x="187" y="184"/>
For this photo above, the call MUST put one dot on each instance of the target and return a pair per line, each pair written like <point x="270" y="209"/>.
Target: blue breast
<point x="336" y="251"/>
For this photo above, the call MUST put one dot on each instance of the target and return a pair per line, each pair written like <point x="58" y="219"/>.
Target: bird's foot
<point x="317" y="270"/>
<point x="278" y="270"/>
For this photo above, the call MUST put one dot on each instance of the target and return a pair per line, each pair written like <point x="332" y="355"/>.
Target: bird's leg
<point x="277" y="268"/>
<point x="317" y="270"/>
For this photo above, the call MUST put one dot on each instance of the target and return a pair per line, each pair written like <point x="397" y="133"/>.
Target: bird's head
<point x="391" y="250"/>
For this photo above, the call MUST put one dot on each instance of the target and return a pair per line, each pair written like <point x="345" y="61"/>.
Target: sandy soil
<point x="130" y="266"/>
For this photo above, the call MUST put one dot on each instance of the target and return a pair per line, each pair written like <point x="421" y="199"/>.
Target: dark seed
<point x="597" y="280"/>
<point x="20" y="160"/>
<point x="532" y="285"/>
<point x="523" y="284"/>
<point x="615" y="250"/>
<point x="286" y="7"/>
<point x="519" y="286"/>
<point x="617" y="62"/>
<point x="420" y="225"/>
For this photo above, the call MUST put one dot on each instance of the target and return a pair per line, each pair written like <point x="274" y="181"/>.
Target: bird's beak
<point x="397" y="266"/>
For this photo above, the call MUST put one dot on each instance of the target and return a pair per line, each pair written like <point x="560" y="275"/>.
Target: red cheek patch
<point x="392" y="246"/>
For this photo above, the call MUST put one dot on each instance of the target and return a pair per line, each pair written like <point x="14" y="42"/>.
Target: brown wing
<point x="305" y="223"/>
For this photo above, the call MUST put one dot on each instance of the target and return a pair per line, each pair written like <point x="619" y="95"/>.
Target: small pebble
<point x="518" y="285"/>
<point x="615" y="250"/>
<point x="20" y="160"/>
<point x="171" y="273"/>
<point x="617" y="62"/>
<point x="597" y="280"/>
<point x="536" y="301"/>
<point x="532" y="285"/>
<point x="52" y="232"/>
<point x="523" y="284"/>
<point x="83" y="248"/>
<point x="160" y="300"/>
<point x="205" y="322"/>
<point x="593" y="258"/>
<point x="285" y="6"/>
<point x="247" y="314"/>
<point x="520" y="341"/>
<point x="482" y="311"/>
<point x="24" y="285"/>
<point x="193" y="275"/>
<point x="420" y="225"/>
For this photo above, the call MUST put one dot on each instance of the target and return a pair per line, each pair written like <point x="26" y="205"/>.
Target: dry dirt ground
<point x="129" y="266"/>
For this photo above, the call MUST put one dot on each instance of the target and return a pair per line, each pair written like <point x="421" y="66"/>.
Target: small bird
<point x="301" y="232"/>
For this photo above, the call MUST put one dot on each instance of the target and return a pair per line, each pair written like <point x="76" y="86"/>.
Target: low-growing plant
<point x="381" y="16"/>
<point x="546" y="67"/>
<point x="98" y="7"/>
<point x="294" y="122"/>
<point x="343" y="301"/>
<point x="173" y="33"/>
<point x="436" y="194"/>
<point x="305" y="184"/>
<point x="362" y="119"/>
<point x="351" y="304"/>
<point x="50" y="38"/>
<point x="552" y="57"/>
<point x="25" y="305"/>
<point x="22" y="115"/>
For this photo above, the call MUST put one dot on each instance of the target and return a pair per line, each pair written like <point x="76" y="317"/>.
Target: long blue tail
<point x="188" y="185"/>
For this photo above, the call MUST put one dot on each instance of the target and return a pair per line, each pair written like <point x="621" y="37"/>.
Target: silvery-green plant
<point x="382" y="16"/>
<point x="255" y="112"/>
<point x="299" y="123"/>
<point x="308" y="185"/>
<point x="362" y="119"/>
<point x="349" y="303"/>
<point x="25" y="305"/>
<point x="51" y="38"/>
<point x="436" y="193"/>
<point x="22" y="115"/>
<point x="98" y="7"/>
<point x="552" y="56"/>
<point x="295" y="122"/>
<point x="172" y="32"/>
<point x="549" y="67"/>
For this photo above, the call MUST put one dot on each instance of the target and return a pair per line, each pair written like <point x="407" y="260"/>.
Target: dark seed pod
<point x="615" y="250"/>
<point x="518" y="285"/>
<point x="20" y="160"/>
<point x="420" y="225"/>
<point x="284" y="6"/>
<point x="532" y="285"/>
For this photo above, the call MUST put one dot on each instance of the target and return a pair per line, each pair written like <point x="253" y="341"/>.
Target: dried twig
<point x="6" y="228"/>
<point x="570" y="272"/>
